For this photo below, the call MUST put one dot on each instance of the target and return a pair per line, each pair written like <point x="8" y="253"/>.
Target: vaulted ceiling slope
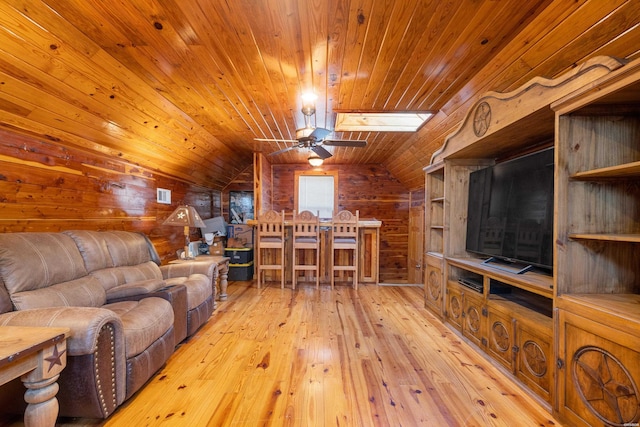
<point x="184" y="86"/>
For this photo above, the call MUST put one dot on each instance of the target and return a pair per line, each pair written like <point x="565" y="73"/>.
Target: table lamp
<point x="185" y="216"/>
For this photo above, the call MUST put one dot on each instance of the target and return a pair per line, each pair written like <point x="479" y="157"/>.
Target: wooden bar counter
<point x="368" y="250"/>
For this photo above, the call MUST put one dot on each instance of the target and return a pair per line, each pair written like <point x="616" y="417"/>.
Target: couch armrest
<point x="134" y="290"/>
<point x="186" y="268"/>
<point x="85" y="324"/>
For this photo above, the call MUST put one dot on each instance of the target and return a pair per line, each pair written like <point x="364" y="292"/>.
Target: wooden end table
<point x="37" y="355"/>
<point x="223" y="270"/>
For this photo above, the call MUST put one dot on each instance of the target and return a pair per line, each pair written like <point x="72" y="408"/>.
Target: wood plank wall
<point x="45" y="187"/>
<point x="373" y="191"/>
<point x="263" y="185"/>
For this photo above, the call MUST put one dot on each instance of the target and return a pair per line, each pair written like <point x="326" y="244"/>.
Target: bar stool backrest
<point x="345" y="227"/>
<point x="271" y="226"/>
<point x="306" y="227"/>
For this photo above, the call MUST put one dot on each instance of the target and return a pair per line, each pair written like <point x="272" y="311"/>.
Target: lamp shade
<point x="315" y="161"/>
<point x="185" y="216"/>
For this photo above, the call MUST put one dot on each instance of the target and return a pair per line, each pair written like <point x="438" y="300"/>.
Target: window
<point x="317" y="193"/>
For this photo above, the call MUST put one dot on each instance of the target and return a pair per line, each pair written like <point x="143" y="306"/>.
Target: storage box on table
<point x="242" y="232"/>
<point x="217" y="247"/>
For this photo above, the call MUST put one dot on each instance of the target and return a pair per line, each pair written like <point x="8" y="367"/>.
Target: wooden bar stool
<point x="344" y="245"/>
<point x="270" y="244"/>
<point x="306" y="238"/>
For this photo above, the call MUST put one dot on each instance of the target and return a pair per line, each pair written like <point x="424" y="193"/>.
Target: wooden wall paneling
<point x="46" y="187"/>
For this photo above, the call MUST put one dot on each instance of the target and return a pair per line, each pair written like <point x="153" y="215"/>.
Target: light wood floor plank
<point x="374" y="357"/>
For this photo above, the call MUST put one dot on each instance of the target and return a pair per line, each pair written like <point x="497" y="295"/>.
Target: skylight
<point x="380" y="121"/>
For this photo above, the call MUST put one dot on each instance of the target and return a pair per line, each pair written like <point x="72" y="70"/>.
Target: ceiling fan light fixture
<point x="309" y="103"/>
<point x="315" y="161"/>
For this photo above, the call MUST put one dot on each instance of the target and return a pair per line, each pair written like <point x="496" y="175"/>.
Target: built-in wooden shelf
<point x="625" y="306"/>
<point x="536" y="283"/>
<point x="435" y="254"/>
<point x="627" y="170"/>
<point x="608" y="237"/>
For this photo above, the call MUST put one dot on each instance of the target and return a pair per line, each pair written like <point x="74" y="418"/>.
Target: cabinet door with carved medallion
<point x="433" y="287"/>
<point x="500" y="338"/>
<point x="599" y="378"/>
<point x="473" y="320"/>
<point x="534" y="355"/>
<point x="454" y="305"/>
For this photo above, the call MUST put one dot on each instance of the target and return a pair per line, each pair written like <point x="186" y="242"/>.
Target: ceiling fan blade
<point x="344" y="143"/>
<point x="274" y="140"/>
<point x="321" y="152"/>
<point x="284" y="150"/>
<point x="319" y="133"/>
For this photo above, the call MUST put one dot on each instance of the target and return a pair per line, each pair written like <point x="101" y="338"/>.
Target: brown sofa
<point x="122" y="308"/>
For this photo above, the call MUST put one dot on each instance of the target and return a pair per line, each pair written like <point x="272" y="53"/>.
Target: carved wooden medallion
<point x="500" y="336"/>
<point x="534" y="358"/>
<point x="456" y="309"/>
<point x="605" y="386"/>
<point x="482" y="119"/>
<point x="434" y="286"/>
<point x="473" y="319"/>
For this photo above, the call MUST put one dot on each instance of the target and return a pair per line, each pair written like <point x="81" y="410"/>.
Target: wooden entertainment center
<point x="571" y="338"/>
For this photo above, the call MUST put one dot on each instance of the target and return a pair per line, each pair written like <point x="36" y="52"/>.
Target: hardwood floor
<point x="326" y="358"/>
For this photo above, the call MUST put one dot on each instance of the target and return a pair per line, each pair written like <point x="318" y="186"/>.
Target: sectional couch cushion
<point x="30" y="261"/>
<point x="83" y="292"/>
<point x="198" y="288"/>
<point x="110" y="249"/>
<point x="144" y="322"/>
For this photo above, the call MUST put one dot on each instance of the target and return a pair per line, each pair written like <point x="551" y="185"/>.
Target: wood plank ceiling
<point x="184" y="86"/>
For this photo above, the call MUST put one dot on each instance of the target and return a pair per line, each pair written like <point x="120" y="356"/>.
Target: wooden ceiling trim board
<point x="74" y="113"/>
<point x="496" y="33"/>
<point x="452" y="48"/>
<point x="594" y="37"/>
<point x="260" y="84"/>
<point x="174" y="124"/>
<point x="403" y="57"/>
<point x="425" y="52"/>
<point x="355" y="39"/>
<point x="398" y="53"/>
<point x="172" y="12"/>
<point x="61" y="93"/>
<point x="85" y="18"/>
<point x="54" y="23"/>
<point x="626" y="42"/>
<point x="377" y="22"/>
<point x="278" y="64"/>
<point x="457" y="107"/>
<point x="552" y="38"/>
<point x="336" y="35"/>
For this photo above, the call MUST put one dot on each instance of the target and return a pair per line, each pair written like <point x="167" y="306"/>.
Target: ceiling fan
<point x="313" y="138"/>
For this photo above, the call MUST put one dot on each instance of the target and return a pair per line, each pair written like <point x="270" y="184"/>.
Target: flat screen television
<point x="510" y="212"/>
